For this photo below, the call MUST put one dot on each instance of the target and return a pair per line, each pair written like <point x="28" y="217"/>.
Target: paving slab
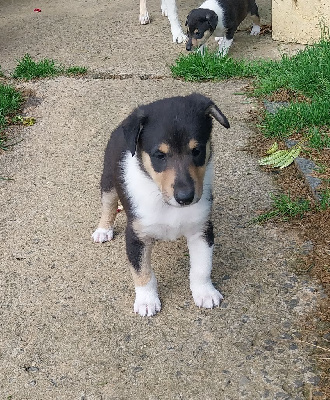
<point x="68" y="329"/>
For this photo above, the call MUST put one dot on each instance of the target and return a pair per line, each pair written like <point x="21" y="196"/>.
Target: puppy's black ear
<point x="206" y="105"/>
<point x="212" y="20"/>
<point x="187" y="19"/>
<point x="132" y="128"/>
<point x="217" y="114"/>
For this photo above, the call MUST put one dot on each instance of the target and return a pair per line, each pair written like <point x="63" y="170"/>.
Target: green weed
<point x="285" y="208"/>
<point x="325" y="199"/>
<point x="10" y="102"/>
<point x="76" y="70"/>
<point x="29" y="69"/>
<point x="318" y="138"/>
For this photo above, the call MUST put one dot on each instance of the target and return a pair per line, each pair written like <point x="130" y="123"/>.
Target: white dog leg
<point x="224" y="46"/>
<point x="144" y="15"/>
<point x="204" y="293"/>
<point x="169" y="8"/>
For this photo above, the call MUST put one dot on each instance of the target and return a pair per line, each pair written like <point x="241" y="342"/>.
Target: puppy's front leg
<point x="200" y="251"/>
<point x="139" y="254"/>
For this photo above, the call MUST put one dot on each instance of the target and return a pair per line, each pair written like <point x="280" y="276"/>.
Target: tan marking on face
<point x="164" y="180"/>
<point x="109" y="209"/>
<point x="198" y="173"/>
<point x="192" y="144"/>
<point x="208" y="152"/>
<point x="164" y="148"/>
<point x="199" y="42"/>
<point x="143" y="276"/>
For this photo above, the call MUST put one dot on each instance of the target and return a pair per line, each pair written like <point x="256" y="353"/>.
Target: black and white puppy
<point x="169" y="9"/>
<point x="221" y="18"/>
<point x="158" y="163"/>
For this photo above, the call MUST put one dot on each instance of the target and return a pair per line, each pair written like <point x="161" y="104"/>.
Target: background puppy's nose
<point x="188" y="45"/>
<point x="184" y="197"/>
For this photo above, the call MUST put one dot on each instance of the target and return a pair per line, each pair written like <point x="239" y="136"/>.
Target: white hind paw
<point x="102" y="235"/>
<point x="255" y="31"/>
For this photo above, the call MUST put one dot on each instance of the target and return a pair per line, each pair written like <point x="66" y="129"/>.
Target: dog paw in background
<point x="255" y="31"/>
<point x="169" y="10"/>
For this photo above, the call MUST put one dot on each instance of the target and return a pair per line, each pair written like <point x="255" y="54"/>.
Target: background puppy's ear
<point x="132" y="127"/>
<point x="217" y="114"/>
<point x="187" y="19"/>
<point x="212" y="20"/>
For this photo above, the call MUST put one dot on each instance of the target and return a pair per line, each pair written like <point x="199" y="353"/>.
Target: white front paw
<point x="147" y="306"/>
<point x="206" y="296"/>
<point x="179" y="36"/>
<point x="144" y="19"/>
<point x="102" y="235"/>
<point x="146" y="300"/>
<point x="255" y="31"/>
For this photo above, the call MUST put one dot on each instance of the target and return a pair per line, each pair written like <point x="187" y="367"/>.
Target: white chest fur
<point x="158" y="219"/>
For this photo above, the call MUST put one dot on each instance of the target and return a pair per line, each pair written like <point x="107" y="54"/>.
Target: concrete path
<point x="68" y="330"/>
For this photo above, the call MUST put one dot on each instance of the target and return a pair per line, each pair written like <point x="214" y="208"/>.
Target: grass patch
<point x="76" y="70"/>
<point x="306" y="75"/>
<point x="29" y="69"/>
<point x="285" y="208"/>
<point x="10" y="102"/>
<point x="325" y="200"/>
<point x="209" y="66"/>
<point x="318" y="138"/>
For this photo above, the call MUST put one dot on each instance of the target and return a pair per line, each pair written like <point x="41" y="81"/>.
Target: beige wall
<point x="299" y="20"/>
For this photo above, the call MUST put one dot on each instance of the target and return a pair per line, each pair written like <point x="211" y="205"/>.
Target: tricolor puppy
<point x="221" y="18"/>
<point x="158" y="163"/>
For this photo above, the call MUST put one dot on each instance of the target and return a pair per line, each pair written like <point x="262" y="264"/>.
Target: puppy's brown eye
<point x="160" y="155"/>
<point x="195" y="152"/>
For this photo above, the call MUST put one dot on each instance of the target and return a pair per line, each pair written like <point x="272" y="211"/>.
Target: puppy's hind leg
<point x="255" y="31"/>
<point x="144" y="15"/>
<point x="104" y="232"/>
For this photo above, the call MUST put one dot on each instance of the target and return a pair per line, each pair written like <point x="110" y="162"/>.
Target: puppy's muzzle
<point x="189" y="45"/>
<point x="184" y="195"/>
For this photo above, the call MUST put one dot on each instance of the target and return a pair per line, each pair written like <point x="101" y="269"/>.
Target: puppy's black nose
<point x="184" y="197"/>
<point x="188" y="45"/>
